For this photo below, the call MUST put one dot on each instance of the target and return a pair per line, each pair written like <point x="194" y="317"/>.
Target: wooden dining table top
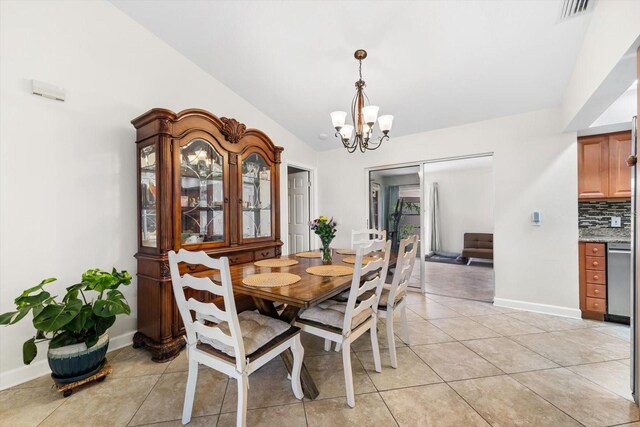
<point x="309" y="291"/>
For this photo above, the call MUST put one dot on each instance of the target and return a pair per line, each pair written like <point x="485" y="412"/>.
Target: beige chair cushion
<point x="384" y="296"/>
<point x="257" y="330"/>
<point x="331" y="312"/>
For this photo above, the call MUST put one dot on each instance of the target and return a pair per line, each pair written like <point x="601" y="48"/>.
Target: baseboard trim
<point x="555" y="310"/>
<point x="37" y="369"/>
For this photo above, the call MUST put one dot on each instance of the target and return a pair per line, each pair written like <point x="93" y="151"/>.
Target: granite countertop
<point x="604" y="235"/>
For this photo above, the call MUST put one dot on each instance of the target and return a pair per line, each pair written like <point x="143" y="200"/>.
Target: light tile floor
<point x="469" y="364"/>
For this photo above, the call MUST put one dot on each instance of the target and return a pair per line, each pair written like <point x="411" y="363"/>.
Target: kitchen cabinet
<point x="593" y="280"/>
<point x="204" y="184"/>
<point x="619" y="172"/>
<point x="602" y="169"/>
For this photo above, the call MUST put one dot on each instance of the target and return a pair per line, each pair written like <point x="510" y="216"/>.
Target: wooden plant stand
<point x="67" y="389"/>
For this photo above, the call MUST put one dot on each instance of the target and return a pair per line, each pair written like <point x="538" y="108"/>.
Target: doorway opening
<point x="395" y="206"/>
<point x="299" y="209"/>
<point x="459" y="228"/>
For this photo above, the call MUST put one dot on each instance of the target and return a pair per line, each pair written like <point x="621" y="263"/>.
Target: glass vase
<point x="326" y="253"/>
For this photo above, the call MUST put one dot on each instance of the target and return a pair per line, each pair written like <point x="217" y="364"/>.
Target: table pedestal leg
<point x="289" y="315"/>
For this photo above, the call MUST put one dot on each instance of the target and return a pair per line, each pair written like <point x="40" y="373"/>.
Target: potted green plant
<point x="76" y="326"/>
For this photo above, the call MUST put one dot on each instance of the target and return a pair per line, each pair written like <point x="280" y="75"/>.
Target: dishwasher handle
<point x="619" y="251"/>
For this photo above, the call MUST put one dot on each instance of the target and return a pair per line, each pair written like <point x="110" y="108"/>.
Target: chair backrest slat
<point x="363" y="237"/>
<point x="202" y="284"/>
<point x="354" y="308"/>
<point x="404" y="267"/>
<point x="207" y="311"/>
<point x="214" y="333"/>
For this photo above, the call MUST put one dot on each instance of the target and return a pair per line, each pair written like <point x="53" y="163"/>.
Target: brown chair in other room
<point x="478" y="245"/>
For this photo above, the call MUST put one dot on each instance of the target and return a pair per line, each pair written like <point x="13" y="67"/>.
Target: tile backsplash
<point x="597" y="214"/>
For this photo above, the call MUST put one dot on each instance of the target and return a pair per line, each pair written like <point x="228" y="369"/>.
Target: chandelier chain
<point x="362" y="139"/>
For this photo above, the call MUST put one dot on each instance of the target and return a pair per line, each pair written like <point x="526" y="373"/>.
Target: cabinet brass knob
<point x="595" y="305"/>
<point x="596" y="277"/>
<point x="595" y="249"/>
<point x="596" y="291"/>
<point x="595" y="263"/>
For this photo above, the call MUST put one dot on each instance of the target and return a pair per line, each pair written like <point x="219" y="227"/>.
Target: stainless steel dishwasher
<point x="619" y="282"/>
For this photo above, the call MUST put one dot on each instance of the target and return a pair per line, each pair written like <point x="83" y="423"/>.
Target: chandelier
<point x="363" y="116"/>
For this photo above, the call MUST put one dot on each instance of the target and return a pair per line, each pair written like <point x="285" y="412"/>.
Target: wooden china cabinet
<point x="204" y="183"/>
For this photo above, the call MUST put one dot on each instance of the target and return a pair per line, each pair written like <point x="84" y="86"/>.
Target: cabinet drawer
<point x="596" y="277"/>
<point x="241" y="258"/>
<point x="596" y="291"/>
<point x="595" y="263"/>
<point x="595" y="304"/>
<point x="595" y="249"/>
<point x="265" y="253"/>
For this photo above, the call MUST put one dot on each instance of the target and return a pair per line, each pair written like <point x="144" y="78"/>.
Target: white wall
<point x="621" y="111"/>
<point x="535" y="168"/>
<point x="67" y="183"/>
<point x="465" y="198"/>
<point x="606" y="63"/>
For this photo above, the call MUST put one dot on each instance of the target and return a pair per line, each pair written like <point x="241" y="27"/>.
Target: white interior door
<point x="298" y="193"/>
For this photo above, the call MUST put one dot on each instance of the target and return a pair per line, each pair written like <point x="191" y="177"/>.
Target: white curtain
<point x="434" y="218"/>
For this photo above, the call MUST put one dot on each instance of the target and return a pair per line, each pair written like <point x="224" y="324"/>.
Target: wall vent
<point x="571" y="8"/>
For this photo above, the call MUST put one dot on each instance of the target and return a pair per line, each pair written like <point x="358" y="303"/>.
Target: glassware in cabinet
<point x="148" y="196"/>
<point x="256" y="197"/>
<point x="201" y="193"/>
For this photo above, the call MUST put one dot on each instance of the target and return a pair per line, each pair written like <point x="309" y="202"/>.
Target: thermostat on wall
<point x="536" y="218"/>
<point x="47" y="90"/>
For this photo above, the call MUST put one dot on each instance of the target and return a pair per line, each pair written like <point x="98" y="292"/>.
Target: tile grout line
<point x="541" y="397"/>
<point x="599" y="385"/>
<point x="146" y="397"/>
<point x="224" y="395"/>
<point x="304" y="410"/>
<point x="51" y="413"/>
<point x="517" y="343"/>
<point x="388" y="409"/>
<point x="469" y="404"/>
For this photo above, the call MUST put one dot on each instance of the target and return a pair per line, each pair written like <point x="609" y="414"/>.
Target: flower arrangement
<point x="326" y="228"/>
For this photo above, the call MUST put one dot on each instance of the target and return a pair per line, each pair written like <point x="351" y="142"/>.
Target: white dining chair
<point x="236" y="344"/>
<point x="393" y="295"/>
<point x="344" y="322"/>
<point x="359" y="237"/>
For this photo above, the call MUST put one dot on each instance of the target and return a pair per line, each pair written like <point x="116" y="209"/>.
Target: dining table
<point x="285" y="302"/>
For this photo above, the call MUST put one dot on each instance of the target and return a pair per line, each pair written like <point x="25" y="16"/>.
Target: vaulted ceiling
<point x="432" y="64"/>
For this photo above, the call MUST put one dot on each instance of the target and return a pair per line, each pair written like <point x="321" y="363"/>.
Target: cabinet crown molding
<point x="232" y="129"/>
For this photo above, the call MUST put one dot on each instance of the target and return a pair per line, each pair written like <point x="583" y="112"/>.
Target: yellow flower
<point x="323" y="218"/>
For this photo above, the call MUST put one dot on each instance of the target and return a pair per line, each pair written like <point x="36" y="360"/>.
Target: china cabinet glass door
<point x="256" y="197"/>
<point x="201" y="193"/>
<point x="148" y="194"/>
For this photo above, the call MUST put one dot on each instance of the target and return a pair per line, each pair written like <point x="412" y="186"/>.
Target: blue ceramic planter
<point x="76" y="362"/>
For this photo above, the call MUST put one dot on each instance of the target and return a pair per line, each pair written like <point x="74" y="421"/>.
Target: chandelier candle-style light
<point x="363" y="116"/>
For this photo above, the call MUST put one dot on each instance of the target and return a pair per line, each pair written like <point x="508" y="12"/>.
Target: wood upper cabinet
<point x="619" y="172"/>
<point x="602" y="170"/>
<point x="205" y="183"/>
<point x="593" y="167"/>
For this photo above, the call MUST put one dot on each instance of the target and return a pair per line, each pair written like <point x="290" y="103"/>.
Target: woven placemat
<point x="330" y="270"/>
<point x="365" y="259"/>
<point x="309" y="255"/>
<point x="271" y="280"/>
<point x="346" y="251"/>
<point x="274" y="262"/>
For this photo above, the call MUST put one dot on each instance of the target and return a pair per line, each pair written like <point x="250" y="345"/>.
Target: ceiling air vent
<point x="571" y="8"/>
